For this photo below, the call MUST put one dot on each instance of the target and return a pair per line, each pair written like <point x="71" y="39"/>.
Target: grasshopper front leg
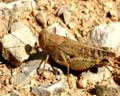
<point x="45" y="62"/>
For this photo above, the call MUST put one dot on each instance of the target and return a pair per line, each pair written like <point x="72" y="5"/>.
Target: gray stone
<point x="50" y="90"/>
<point x="89" y="79"/>
<point x="19" y="7"/>
<point x="106" y="35"/>
<point x="17" y="45"/>
<point x="22" y="5"/>
<point x="25" y="73"/>
<point x="107" y="90"/>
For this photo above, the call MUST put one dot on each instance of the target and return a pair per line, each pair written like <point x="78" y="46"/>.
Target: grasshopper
<point x="78" y="56"/>
<point x="74" y="55"/>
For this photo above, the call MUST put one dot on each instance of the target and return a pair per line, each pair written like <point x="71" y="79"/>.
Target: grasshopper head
<point x="43" y="39"/>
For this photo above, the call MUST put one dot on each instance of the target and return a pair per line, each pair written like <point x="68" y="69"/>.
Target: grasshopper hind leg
<point x="68" y="67"/>
<point x="64" y="62"/>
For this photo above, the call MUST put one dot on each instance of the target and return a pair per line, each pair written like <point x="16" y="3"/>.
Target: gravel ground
<point x="79" y="17"/>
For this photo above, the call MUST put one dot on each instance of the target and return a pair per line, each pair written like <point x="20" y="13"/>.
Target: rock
<point x="60" y="30"/>
<point x="72" y="81"/>
<point x="77" y="92"/>
<point x="106" y="35"/>
<point x="17" y="45"/>
<point x="14" y="93"/>
<point x="72" y="25"/>
<point x="89" y="79"/>
<point x="29" y="73"/>
<point x="50" y="90"/>
<point x="66" y="14"/>
<point x="47" y="75"/>
<point x="63" y="9"/>
<point x="10" y="13"/>
<point x="107" y="90"/>
<point x="24" y="74"/>
<point x="19" y="7"/>
<point x="67" y="17"/>
<point x="24" y="5"/>
<point x="110" y="10"/>
<point x="57" y="29"/>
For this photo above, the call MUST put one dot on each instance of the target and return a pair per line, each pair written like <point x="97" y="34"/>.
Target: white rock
<point x="72" y="25"/>
<point x="14" y="93"/>
<point x="57" y="29"/>
<point x="107" y="35"/>
<point x="89" y="79"/>
<point x="15" y="45"/>
<point x="50" y="90"/>
<point x="27" y="4"/>
<point x="67" y="17"/>
<point x="63" y="9"/>
<point x="23" y="33"/>
<point x="60" y="30"/>
<point x="19" y="7"/>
